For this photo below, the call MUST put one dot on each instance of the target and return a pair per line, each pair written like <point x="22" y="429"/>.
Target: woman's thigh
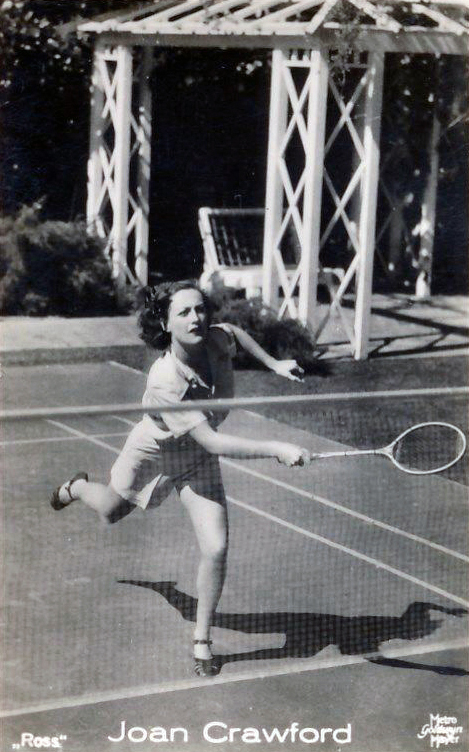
<point x="209" y="519"/>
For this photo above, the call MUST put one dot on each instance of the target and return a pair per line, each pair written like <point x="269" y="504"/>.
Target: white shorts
<point x="148" y="469"/>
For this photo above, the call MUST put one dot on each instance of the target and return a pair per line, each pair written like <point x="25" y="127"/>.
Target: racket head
<point x="427" y="448"/>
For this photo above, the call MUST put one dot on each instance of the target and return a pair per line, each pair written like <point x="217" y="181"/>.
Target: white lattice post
<point x="95" y="169"/>
<point x="274" y="188"/>
<point x="427" y="221"/>
<point x="369" y="195"/>
<point x="314" y="164"/>
<point x="144" y="163"/>
<point x="356" y="199"/>
<point x="122" y="158"/>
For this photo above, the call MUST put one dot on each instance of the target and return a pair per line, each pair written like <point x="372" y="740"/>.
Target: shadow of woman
<point x="308" y="633"/>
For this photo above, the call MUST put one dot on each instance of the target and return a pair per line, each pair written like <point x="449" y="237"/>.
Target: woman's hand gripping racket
<point x="420" y="450"/>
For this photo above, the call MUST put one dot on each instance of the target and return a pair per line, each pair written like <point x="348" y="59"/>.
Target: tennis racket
<point x="420" y="450"/>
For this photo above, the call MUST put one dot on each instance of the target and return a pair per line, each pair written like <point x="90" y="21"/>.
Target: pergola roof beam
<point x="218" y="8"/>
<point x="267" y="11"/>
<point x="179" y="9"/>
<point x="307" y="24"/>
<point x="320" y="16"/>
<point x="449" y="3"/>
<point x="254" y="8"/>
<point x="293" y="9"/>
<point x="378" y="14"/>
<point x="431" y="42"/>
<point x="443" y="22"/>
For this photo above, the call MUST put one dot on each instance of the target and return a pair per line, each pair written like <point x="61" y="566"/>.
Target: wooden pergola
<point x="300" y="33"/>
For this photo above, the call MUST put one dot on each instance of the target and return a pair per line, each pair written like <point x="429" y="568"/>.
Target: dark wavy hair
<point x="154" y="316"/>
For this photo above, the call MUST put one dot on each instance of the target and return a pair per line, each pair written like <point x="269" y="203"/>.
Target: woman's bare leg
<point x="210" y="523"/>
<point x="103" y="499"/>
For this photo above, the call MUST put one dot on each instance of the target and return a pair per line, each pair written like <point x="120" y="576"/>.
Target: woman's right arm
<point x="241" y="448"/>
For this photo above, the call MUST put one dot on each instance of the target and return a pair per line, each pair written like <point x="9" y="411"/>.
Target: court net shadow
<point x="307" y="633"/>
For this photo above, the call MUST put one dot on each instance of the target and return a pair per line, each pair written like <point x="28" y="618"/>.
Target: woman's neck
<point x="190" y="356"/>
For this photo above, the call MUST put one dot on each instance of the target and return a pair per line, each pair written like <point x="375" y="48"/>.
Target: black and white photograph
<point x="234" y="338"/>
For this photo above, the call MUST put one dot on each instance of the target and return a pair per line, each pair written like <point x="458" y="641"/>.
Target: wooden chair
<point x="233" y="240"/>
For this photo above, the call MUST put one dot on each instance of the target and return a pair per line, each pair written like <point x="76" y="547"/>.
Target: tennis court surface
<point x="344" y="608"/>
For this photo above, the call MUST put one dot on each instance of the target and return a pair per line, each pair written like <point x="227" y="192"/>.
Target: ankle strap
<point x="202" y="642"/>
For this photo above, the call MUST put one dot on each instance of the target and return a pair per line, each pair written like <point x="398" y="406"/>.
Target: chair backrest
<point x="234" y="238"/>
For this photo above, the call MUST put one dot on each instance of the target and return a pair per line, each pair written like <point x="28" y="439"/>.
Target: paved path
<point x="399" y="326"/>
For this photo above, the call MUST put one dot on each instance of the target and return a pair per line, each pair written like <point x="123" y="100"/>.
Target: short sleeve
<point x="178" y="423"/>
<point x="229" y="338"/>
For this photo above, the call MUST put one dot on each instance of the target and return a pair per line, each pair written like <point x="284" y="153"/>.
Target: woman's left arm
<point x="288" y="368"/>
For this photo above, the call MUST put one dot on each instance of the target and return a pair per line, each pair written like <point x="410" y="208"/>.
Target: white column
<point x="144" y="163"/>
<point x="427" y="220"/>
<point x="122" y="157"/>
<point x="369" y="195"/>
<point x="274" y="188"/>
<point x="95" y="171"/>
<point x="314" y="165"/>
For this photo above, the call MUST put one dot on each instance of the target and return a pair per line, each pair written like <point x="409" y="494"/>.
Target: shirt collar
<point x="188" y="373"/>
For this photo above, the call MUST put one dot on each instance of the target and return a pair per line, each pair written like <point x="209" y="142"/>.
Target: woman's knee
<point x="115" y="507"/>
<point x="215" y="549"/>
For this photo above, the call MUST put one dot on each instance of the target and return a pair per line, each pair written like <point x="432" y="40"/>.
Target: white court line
<point x="15" y="442"/>
<point x="350" y="551"/>
<point x="345" y="510"/>
<point x="125" y="367"/>
<point x="344" y="549"/>
<point x="82" y="435"/>
<point x="125" y="420"/>
<point x="300" y="666"/>
<point x="332" y="504"/>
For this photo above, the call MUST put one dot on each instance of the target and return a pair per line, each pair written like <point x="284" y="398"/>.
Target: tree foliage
<point x="40" y="36"/>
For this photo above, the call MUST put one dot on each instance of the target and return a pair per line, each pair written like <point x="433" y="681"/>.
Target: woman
<point x="167" y="450"/>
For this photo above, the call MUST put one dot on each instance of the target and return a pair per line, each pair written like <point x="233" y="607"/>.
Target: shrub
<point x="54" y="268"/>
<point x="286" y="338"/>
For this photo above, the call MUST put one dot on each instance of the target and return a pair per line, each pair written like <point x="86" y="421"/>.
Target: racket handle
<point x="344" y="453"/>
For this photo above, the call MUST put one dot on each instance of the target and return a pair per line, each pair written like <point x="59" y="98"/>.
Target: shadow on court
<point x="308" y="633"/>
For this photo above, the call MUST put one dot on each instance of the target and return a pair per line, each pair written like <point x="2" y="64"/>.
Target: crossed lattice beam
<point x="295" y="111"/>
<point x="346" y="109"/>
<point x="294" y="196"/>
<point x="120" y="135"/>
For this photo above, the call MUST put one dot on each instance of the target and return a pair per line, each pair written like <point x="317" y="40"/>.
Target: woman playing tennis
<point x="180" y="450"/>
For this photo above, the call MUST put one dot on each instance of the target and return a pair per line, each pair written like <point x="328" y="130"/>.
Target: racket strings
<point x="428" y="448"/>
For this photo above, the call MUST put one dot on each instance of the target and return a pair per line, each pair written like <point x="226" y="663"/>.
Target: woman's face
<point x="187" y="318"/>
